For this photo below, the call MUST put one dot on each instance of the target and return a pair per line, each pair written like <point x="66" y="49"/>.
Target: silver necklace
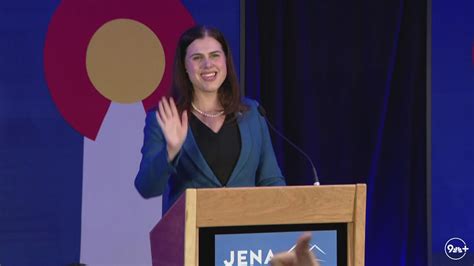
<point x="207" y="114"/>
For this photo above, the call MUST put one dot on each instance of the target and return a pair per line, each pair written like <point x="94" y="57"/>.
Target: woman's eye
<point x="196" y="58"/>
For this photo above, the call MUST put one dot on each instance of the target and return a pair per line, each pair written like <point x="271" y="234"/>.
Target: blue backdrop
<point x="452" y="128"/>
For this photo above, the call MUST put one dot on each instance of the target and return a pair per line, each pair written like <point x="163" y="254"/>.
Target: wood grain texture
<point x="359" y="224"/>
<point x="191" y="230"/>
<point x="350" y="244"/>
<point x="275" y="205"/>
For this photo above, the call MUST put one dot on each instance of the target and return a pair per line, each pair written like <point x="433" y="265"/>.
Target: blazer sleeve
<point x="155" y="170"/>
<point x="268" y="172"/>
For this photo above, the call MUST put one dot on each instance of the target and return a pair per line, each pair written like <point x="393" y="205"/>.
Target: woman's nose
<point x="207" y="62"/>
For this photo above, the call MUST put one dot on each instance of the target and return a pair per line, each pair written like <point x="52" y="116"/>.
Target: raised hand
<point x="300" y="256"/>
<point x="174" y="127"/>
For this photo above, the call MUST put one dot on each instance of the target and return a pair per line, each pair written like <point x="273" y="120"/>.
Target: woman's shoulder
<point x="150" y="114"/>
<point x="251" y="107"/>
<point x="250" y="102"/>
<point x="151" y="121"/>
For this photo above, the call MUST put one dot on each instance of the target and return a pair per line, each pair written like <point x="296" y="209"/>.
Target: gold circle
<point x="125" y="61"/>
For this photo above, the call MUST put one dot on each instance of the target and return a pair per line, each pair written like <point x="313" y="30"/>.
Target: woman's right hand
<point x="174" y="127"/>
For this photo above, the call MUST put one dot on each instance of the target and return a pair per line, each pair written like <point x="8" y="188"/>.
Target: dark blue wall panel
<point x="452" y="128"/>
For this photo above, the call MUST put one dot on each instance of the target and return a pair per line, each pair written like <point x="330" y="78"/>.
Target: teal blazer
<point x="256" y="166"/>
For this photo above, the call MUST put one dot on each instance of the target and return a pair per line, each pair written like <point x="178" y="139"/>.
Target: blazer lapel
<point x="192" y="149"/>
<point x="246" y="141"/>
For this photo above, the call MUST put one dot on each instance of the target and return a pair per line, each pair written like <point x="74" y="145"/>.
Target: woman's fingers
<point x="284" y="259"/>
<point x="169" y="119"/>
<point x="174" y="110"/>
<point x="302" y="243"/>
<point x="184" y="121"/>
<point x="304" y="256"/>
<point x="167" y="108"/>
<point x="161" y="111"/>
<point x="158" y="118"/>
<point x="300" y="256"/>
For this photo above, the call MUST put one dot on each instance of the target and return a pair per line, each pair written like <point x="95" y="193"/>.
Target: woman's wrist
<point x="172" y="152"/>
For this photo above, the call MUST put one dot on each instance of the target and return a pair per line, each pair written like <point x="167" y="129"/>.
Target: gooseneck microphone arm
<point x="262" y="112"/>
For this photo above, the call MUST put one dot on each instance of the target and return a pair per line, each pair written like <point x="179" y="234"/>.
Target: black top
<point x="221" y="150"/>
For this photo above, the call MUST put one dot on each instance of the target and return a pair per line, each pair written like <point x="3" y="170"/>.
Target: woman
<point x="211" y="137"/>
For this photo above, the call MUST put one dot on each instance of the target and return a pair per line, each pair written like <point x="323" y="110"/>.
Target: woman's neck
<point x="207" y="102"/>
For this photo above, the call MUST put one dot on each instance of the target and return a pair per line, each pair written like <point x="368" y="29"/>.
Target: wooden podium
<point x="175" y="239"/>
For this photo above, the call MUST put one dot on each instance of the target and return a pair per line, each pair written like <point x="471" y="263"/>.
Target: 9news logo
<point x="455" y="248"/>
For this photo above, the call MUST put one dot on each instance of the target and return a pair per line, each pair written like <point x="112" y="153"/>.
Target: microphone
<point x="262" y="112"/>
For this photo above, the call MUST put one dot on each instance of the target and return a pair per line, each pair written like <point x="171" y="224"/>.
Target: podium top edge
<point x="346" y="186"/>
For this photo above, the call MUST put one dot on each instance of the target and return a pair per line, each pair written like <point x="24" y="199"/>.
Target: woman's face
<point x="205" y="64"/>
